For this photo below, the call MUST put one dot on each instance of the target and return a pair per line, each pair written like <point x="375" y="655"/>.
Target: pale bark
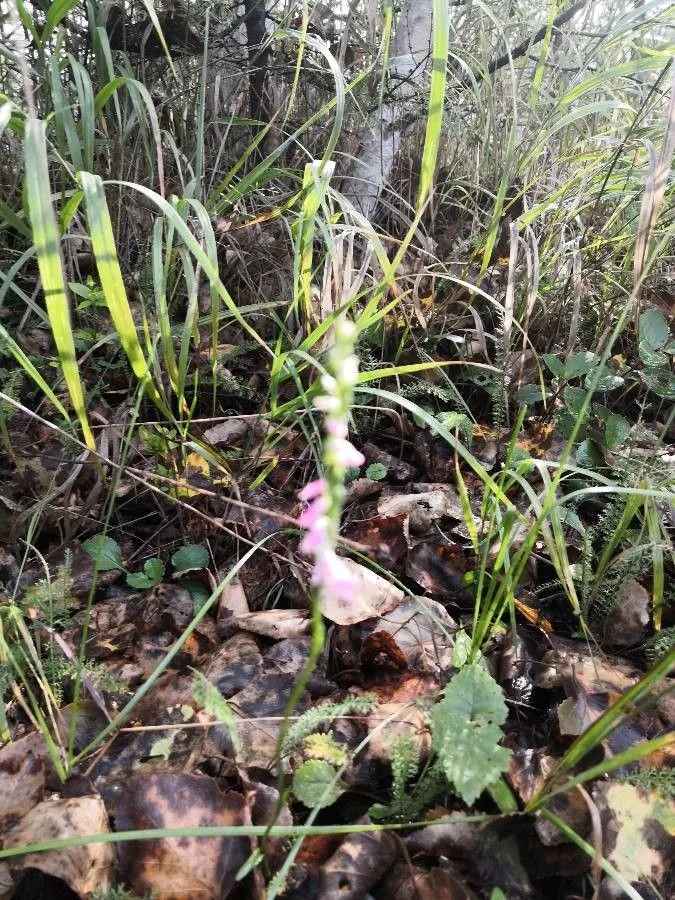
<point x="407" y="75"/>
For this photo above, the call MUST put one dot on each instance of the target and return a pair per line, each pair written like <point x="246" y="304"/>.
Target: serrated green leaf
<point x="139" y="581"/>
<point x="473" y="696"/>
<point x="154" y="568"/>
<point x="376" y="471"/>
<point x="191" y="556"/>
<point x="579" y="364"/>
<point x="314" y="779"/>
<point x="462" y="649"/>
<point x="571" y="519"/>
<point x="472" y="758"/>
<point x="465" y="729"/>
<point x="654" y="329"/>
<point x="105" y="552"/>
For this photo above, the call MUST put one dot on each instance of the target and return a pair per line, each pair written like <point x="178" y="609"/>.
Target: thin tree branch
<point x="521" y="49"/>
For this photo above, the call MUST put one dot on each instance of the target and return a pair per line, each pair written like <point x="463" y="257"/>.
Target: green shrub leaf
<point x="191" y="556"/>
<point x="311" y="781"/>
<point x="530" y="393"/>
<point x="376" y="471"/>
<point x="580" y="364"/>
<point x="608" y="381"/>
<point x="588" y="455"/>
<point x="574" y="399"/>
<point x="105" y="552"/>
<point x="653" y="359"/>
<point x="554" y="364"/>
<point x="152" y="574"/>
<point x="617" y="431"/>
<point x="654" y="329"/>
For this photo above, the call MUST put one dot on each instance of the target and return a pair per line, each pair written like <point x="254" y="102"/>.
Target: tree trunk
<point x="407" y="76"/>
<point x="258" y="53"/>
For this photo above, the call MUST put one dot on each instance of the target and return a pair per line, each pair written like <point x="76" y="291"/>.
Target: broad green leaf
<point x="554" y="364"/>
<point x="607" y="381"/>
<point x="56" y="14"/>
<point x="47" y="247"/>
<point x="660" y="382"/>
<point x="574" y="398"/>
<point x="530" y="393"/>
<point x="617" y="431"/>
<point x="105" y="551"/>
<point x="653" y="359"/>
<point x="112" y="283"/>
<point x="191" y="556"/>
<point x="579" y="364"/>
<point x="654" y="329"/>
<point x="439" y="68"/>
<point x="313" y="784"/>
<point x="588" y="456"/>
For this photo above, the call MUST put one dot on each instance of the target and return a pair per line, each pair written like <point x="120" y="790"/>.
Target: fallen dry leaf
<point x="82" y="868"/>
<point x="357" y="864"/>
<point x="22" y="779"/>
<point x="236" y="664"/>
<point x="374" y="597"/>
<point x="405" y="881"/>
<point x="399" y="716"/>
<point x="423" y="508"/>
<point x="274" y="623"/>
<point x="628" y="621"/>
<point x="176" y="868"/>
<point x="639" y="838"/>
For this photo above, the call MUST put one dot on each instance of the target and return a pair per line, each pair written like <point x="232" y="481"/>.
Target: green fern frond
<point x="659" y="645"/>
<point x="661" y="781"/>
<point x="318" y="716"/>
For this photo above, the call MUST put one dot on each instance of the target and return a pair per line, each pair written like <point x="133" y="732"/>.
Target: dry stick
<point x="521" y="49"/>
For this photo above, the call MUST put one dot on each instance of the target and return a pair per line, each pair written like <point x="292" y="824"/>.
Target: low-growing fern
<point x="661" y="781"/>
<point x="319" y="716"/>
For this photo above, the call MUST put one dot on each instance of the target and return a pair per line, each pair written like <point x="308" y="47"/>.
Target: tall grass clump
<point x="516" y="266"/>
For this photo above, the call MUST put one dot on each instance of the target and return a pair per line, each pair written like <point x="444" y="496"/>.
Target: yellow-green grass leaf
<point x="103" y="245"/>
<point x="8" y="343"/>
<point x="46" y="240"/>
